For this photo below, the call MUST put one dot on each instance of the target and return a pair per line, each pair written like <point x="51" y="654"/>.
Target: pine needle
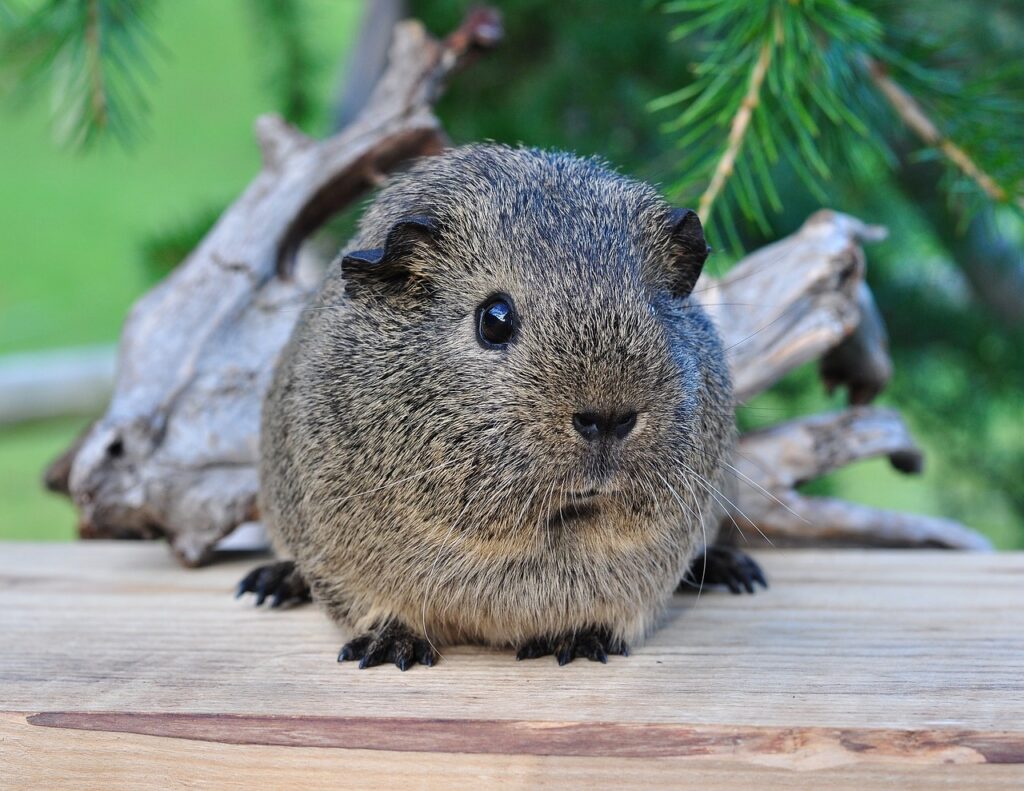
<point x="95" y="56"/>
<point x="783" y="85"/>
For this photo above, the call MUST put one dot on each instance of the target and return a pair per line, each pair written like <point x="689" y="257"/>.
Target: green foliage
<point x="97" y="56"/>
<point x="96" y="59"/>
<point x="289" y="62"/>
<point x="966" y="71"/>
<point x="966" y="388"/>
<point x="573" y="74"/>
<point x="801" y="71"/>
<point x="791" y="66"/>
<point x="73" y="222"/>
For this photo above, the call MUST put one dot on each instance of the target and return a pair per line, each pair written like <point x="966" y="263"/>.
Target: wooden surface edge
<point x="790" y="746"/>
<point x="33" y="757"/>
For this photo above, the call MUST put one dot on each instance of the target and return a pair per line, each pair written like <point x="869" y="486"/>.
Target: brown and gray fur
<point x="422" y="481"/>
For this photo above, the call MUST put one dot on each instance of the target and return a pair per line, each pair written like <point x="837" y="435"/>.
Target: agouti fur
<point x="546" y="494"/>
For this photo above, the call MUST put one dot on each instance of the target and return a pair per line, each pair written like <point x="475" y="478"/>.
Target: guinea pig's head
<point x="524" y="320"/>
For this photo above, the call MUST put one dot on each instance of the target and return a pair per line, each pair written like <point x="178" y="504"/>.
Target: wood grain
<point x="856" y="669"/>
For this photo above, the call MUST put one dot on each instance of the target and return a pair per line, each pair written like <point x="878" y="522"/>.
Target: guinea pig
<point x="503" y="419"/>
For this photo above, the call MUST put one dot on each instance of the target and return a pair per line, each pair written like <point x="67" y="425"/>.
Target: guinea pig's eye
<point x="496" y="322"/>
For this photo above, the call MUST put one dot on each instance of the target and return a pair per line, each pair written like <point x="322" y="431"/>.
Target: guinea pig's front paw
<point x="593" y="643"/>
<point x="389" y="643"/>
<point x="723" y="565"/>
<point x="281" y="581"/>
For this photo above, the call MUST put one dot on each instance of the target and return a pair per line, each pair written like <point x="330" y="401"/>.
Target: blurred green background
<point x="84" y="232"/>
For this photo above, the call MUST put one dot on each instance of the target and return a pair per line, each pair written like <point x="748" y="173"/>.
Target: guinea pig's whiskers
<point x="545" y="516"/>
<point x="545" y="505"/>
<point x="526" y="507"/>
<point x="561" y="512"/>
<point x="756" y="270"/>
<point x="763" y="491"/>
<point x="731" y="305"/>
<point x="656" y="496"/>
<point x="740" y="476"/>
<point x="704" y="538"/>
<point x="700" y="518"/>
<point x="647" y="487"/>
<point x="717" y="493"/>
<point x="703" y="531"/>
<point x="713" y="494"/>
<point x="759" y="330"/>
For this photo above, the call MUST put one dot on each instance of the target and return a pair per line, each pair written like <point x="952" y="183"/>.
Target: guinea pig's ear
<point x="689" y="250"/>
<point x="397" y="260"/>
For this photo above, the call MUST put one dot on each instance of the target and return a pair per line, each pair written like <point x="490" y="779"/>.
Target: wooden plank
<point x="854" y="669"/>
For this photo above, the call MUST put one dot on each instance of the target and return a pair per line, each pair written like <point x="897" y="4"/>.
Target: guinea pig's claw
<point x="722" y="565"/>
<point x="592" y="644"/>
<point x="281" y="582"/>
<point x="392" y="643"/>
<point x="355" y="649"/>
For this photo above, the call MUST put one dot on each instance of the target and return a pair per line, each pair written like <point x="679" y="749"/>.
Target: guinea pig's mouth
<point x="579" y="507"/>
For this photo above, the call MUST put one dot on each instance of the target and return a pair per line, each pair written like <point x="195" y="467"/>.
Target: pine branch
<point x="778" y="91"/>
<point x="915" y="118"/>
<point x="95" y="56"/>
<point x="94" y="61"/>
<point x="771" y="86"/>
<point x="738" y="129"/>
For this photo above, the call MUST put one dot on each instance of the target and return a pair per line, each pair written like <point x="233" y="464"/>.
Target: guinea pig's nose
<point x="612" y="425"/>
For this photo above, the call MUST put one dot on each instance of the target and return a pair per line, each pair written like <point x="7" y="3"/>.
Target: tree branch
<point x="914" y="116"/>
<point x="176" y="452"/>
<point x="792" y="301"/>
<point x="992" y="264"/>
<point x="94" y="59"/>
<point x="772" y="463"/>
<point x="738" y="129"/>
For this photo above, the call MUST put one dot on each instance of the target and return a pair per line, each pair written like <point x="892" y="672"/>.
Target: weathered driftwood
<point x="176" y="452"/>
<point x="792" y="301"/>
<point x="788" y="304"/>
<point x="771" y="463"/>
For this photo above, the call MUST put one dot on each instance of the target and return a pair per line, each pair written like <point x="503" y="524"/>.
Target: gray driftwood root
<point x="175" y="454"/>
<point x="771" y="463"/>
<point x="792" y="302"/>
